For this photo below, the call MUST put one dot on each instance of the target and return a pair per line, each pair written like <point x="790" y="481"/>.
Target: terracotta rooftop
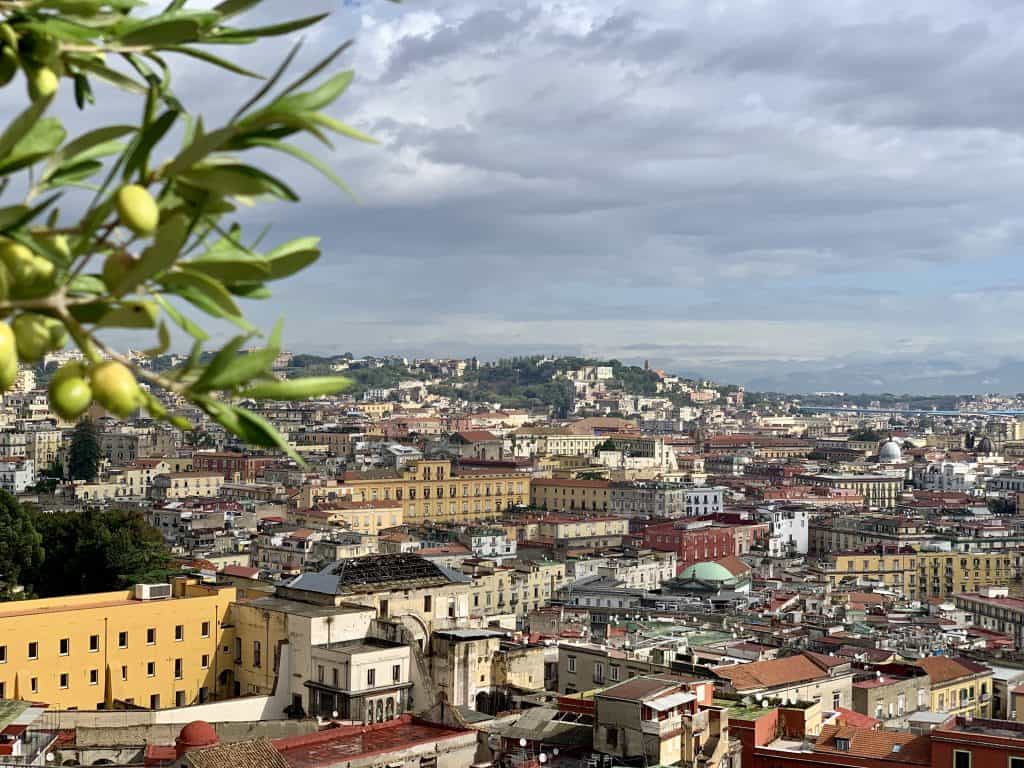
<point x="901" y="747"/>
<point x="942" y="669"/>
<point x="775" y="672"/>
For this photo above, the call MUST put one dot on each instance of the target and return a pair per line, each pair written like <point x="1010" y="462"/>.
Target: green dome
<point x="709" y="571"/>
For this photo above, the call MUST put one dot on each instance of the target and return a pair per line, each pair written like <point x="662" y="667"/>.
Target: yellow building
<point x="81" y="651"/>
<point x="565" y="494"/>
<point x="430" y="490"/>
<point x="959" y="686"/>
<point x="375" y="410"/>
<point x="877" y="490"/>
<point x="184" y="485"/>
<point x="897" y="570"/>
<point x="520" y="589"/>
<point x="919" y="574"/>
<point x="366" y="517"/>
<point x="561" y="528"/>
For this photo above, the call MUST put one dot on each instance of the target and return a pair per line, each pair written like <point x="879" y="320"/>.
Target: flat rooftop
<point x="335" y="747"/>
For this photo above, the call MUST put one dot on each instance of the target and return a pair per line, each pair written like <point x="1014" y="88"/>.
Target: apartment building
<point x="959" y="686"/>
<point x="432" y="490"/>
<point x="562" y="494"/>
<point x="152" y="647"/>
<point x="182" y="485"/>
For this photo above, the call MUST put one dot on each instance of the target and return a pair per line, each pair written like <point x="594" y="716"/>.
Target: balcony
<point x="662" y="728"/>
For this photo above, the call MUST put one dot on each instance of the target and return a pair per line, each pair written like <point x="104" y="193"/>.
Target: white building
<point x="946" y="476"/>
<point x="787" y="530"/>
<point x="489" y="543"/>
<point x="17" y="474"/>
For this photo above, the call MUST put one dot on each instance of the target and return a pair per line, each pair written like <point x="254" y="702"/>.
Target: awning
<point x="663" y="703"/>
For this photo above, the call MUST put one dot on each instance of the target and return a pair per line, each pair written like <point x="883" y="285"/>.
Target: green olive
<point x="115" y="388"/>
<point x="137" y="209"/>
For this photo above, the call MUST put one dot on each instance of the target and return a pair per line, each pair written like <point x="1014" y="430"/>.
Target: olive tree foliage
<point x="154" y="243"/>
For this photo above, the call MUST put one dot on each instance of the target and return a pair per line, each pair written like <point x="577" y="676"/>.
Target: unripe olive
<point x="72" y="369"/>
<point x="19" y="260"/>
<point x="115" y="388"/>
<point x="59" y="243"/>
<point x="137" y="209"/>
<point x="42" y="268"/>
<point x="8" y="65"/>
<point x="58" y="333"/>
<point x="42" y="83"/>
<point x="32" y="334"/>
<point x="8" y="36"/>
<point x="70" y="394"/>
<point x="116" y="267"/>
<point x="8" y="357"/>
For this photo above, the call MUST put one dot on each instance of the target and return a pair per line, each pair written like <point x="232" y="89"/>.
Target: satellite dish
<point x="522" y="741"/>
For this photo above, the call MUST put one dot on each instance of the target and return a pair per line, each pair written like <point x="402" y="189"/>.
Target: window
<point x="33" y="650"/>
<point x="179" y="698"/>
<point x="94" y="677"/>
<point x="1016" y="762"/>
<point x="599" y="673"/>
<point x="205" y="662"/>
<point x="63" y="679"/>
<point x="154" y="701"/>
<point x="613" y="737"/>
<point x="150" y="669"/>
<point x="613" y="672"/>
<point x="179" y="632"/>
<point x="335" y="677"/>
<point x="122" y="639"/>
<point x="396" y="673"/>
<point x="961" y="758"/>
<point x="3" y="654"/>
<point x="842" y="745"/>
<point x="151" y="636"/>
<point x="257" y="653"/>
<point x="572" y="663"/>
<point x="124" y="672"/>
<point x="383" y="608"/>
<point x="836" y="700"/>
<point x="64" y="647"/>
<point x="427" y="604"/>
<point x="204" y="629"/>
<point x="33" y="684"/>
<point x="94" y="643"/>
<point x="371" y="677"/>
<point x="178" y="673"/>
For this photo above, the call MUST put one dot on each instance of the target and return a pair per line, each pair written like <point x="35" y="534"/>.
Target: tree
<point x="152" y="241"/>
<point x="96" y="551"/>
<point x="84" y="454"/>
<point x="21" y="549"/>
<point x="866" y="434"/>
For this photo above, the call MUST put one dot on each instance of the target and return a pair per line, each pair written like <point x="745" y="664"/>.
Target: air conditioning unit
<point x="152" y="591"/>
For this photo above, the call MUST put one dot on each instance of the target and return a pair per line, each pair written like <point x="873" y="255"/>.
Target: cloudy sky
<point x="777" y="192"/>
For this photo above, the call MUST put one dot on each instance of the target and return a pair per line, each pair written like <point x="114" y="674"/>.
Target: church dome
<point x="709" y="571"/>
<point x="890" y="452"/>
<point x="196" y="734"/>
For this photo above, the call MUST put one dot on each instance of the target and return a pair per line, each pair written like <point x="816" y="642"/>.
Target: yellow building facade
<point x="82" y="651"/>
<point x="431" y="490"/>
<point x="366" y="517"/>
<point x="567" y="494"/>
<point x="920" y="575"/>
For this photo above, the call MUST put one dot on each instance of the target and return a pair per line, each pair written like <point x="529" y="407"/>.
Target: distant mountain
<point x="916" y="376"/>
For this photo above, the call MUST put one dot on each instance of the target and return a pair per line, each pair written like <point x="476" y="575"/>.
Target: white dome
<point x="890" y="452"/>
